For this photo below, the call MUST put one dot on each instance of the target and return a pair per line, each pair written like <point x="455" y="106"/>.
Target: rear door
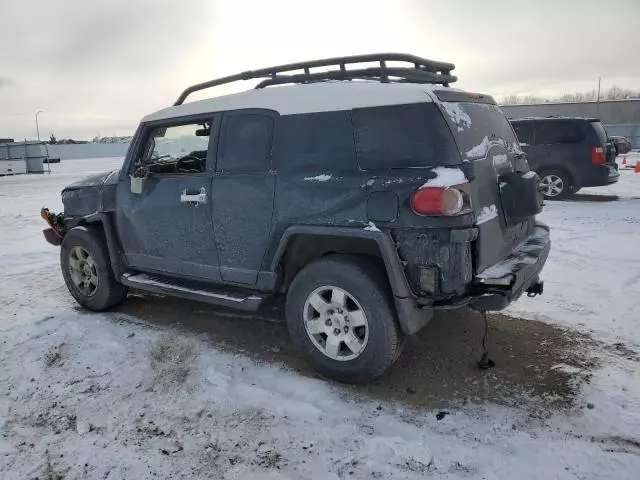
<point x="242" y="193"/>
<point x="485" y="137"/>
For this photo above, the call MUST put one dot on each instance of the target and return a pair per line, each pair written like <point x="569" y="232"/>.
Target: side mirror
<point x="138" y="177"/>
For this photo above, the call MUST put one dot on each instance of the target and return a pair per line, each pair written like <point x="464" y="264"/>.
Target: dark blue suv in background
<point x="568" y="153"/>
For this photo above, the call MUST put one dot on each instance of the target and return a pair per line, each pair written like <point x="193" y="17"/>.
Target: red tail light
<point x="597" y="155"/>
<point x="439" y="200"/>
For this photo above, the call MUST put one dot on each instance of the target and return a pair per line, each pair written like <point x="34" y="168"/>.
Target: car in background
<point x="621" y="144"/>
<point x="568" y="153"/>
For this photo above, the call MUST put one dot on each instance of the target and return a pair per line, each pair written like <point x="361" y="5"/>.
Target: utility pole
<point x="38" y="126"/>
<point x="598" y="97"/>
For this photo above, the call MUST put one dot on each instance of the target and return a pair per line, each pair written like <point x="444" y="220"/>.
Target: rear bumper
<point x="599" y="175"/>
<point x="507" y="280"/>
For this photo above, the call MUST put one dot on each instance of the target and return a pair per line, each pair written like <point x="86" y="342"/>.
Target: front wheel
<point x="340" y="314"/>
<point x="86" y="269"/>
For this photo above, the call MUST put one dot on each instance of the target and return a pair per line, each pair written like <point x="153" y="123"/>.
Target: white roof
<point x="314" y="97"/>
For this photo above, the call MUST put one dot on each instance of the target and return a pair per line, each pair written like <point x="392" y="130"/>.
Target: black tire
<point x="366" y="283"/>
<point x="108" y="292"/>
<point x="567" y="183"/>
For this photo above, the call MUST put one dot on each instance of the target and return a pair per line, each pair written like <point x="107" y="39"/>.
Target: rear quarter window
<point x="315" y="142"/>
<point x="402" y="136"/>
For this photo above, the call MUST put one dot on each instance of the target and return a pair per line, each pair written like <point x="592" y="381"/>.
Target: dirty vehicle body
<point x="568" y="153"/>
<point x="370" y="201"/>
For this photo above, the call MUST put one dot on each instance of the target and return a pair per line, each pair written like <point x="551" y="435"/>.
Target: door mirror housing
<point x="138" y="177"/>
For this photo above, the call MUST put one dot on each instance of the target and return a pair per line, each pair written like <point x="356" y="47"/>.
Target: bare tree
<point x="512" y="99"/>
<point x="615" y="93"/>
<point x="531" y="99"/>
<point x="591" y="96"/>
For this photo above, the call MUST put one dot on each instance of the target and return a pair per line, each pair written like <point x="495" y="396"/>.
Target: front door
<point x="242" y="193"/>
<point x="167" y="227"/>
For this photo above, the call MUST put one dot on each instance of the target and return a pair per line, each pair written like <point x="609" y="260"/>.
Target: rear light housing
<point x="447" y="201"/>
<point x="597" y="155"/>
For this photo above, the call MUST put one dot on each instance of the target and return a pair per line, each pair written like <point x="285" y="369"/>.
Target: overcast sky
<point x="96" y="67"/>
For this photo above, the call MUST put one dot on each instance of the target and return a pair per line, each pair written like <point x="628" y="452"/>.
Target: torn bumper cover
<point x="56" y="231"/>
<point x="504" y="282"/>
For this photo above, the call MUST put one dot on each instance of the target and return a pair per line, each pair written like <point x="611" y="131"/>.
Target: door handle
<point x="194" y="198"/>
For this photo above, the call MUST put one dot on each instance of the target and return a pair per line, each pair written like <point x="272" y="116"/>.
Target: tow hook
<point x="535" y="289"/>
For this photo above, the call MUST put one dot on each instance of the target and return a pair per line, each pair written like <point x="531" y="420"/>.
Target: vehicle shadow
<point x="437" y="369"/>
<point x="589" y="197"/>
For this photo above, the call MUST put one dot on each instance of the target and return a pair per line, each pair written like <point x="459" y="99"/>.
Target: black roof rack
<point x="422" y="71"/>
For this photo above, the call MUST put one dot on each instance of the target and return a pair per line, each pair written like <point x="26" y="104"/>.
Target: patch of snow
<point x="445" y="177"/>
<point x="457" y="114"/>
<point x="487" y="214"/>
<point x="529" y="174"/>
<point x="500" y="161"/>
<point x="164" y="403"/>
<point x="319" y="178"/>
<point x="570" y="369"/>
<point x="371" y="227"/>
<point x="480" y="150"/>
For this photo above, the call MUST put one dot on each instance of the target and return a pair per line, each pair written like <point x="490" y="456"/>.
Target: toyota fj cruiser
<point x="364" y="189"/>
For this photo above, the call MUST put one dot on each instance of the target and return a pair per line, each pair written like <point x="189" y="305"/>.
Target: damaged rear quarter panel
<point x="343" y="201"/>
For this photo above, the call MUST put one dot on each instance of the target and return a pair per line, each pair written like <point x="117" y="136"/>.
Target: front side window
<point x="180" y="149"/>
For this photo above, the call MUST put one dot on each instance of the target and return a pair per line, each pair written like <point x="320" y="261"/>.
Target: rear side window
<point x="315" y="142"/>
<point x="550" y="132"/>
<point x="402" y="136"/>
<point x="524" y="132"/>
<point x="246" y="144"/>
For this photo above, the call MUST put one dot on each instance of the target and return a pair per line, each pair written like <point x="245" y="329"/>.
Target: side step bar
<point x="224" y="297"/>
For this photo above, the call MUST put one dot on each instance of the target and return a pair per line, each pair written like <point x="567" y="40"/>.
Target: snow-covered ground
<point x="110" y="396"/>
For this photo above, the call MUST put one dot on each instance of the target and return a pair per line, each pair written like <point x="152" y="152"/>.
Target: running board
<point x="200" y="292"/>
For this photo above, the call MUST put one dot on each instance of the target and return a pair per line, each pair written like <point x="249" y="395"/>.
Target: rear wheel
<point x="341" y="316"/>
<point x="86" y="269"/>
<point x="555" y="184"/>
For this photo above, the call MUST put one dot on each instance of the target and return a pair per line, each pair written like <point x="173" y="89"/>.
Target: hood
<point x="97" y="180"/>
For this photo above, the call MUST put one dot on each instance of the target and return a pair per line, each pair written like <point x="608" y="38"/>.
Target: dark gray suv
<point x="370" y="196"/>
<point x="568" y="153"/>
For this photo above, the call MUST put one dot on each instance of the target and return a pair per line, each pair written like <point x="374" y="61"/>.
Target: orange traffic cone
<point x="624" y="160"/>
<point x="637" y="167"/>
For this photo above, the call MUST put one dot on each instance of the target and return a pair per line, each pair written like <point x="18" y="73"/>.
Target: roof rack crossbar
<point x="402" y="74"/>
<point x="439" y="72"/>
